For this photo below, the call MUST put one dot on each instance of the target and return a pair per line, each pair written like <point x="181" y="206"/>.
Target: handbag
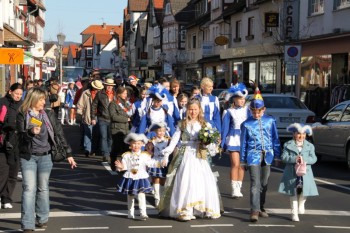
<point x="53" y="98"/>
<point x="58" y="152"/>
<point x="300" y="168"/>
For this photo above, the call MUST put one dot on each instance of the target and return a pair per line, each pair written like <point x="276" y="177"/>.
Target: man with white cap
<point x="100" y="114"/>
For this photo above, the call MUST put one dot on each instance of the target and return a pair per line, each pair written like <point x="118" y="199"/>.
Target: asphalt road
<point x="85" y="200"/>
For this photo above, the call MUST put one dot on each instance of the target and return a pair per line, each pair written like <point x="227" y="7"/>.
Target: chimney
<point x="104" y="26"/>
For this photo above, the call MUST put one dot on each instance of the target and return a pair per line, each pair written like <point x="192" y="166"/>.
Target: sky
<point x="71" y="17"/>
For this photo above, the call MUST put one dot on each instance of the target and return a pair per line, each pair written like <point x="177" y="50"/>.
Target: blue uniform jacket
<point x="254" y="140"/>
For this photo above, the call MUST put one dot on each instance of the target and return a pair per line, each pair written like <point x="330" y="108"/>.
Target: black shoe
<point x="87" y="153"/>
<point x="28" y="231"/>
<point x="42" y="225"/>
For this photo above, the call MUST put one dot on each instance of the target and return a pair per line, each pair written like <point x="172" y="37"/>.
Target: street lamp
<point x="61" y="37"/>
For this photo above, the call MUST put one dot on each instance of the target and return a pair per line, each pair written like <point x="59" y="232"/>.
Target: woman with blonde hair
<point x="186" y="195"/>
<point x="38" y="132"/>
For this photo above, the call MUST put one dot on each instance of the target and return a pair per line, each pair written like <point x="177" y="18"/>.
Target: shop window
<point x="316" y="7"/>
<point x="267" y="78"/>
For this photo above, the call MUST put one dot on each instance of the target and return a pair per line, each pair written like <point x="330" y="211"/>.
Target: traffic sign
<point x="292" y="53"/>
<point x="292" y="68"/>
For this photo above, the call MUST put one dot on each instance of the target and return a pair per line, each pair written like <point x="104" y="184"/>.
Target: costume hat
<point x="158" y="125"/>
<point x="296" y="127"/>
<point x="157" y="91"/>
<point x="70" y="81"/>
<point x="97" y="84"/>
<point x="239" y="89"/>
<point x="133" y="78"/>
<point x="135" y="137"/>
<point x="257" y="101"/>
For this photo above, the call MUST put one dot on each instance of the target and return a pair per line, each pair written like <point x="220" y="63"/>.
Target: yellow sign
<point x="11" y="56"/>
<point x="221" y="40"/>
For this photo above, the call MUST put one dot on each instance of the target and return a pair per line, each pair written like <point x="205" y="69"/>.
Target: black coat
<point x="8" y="128"/>
<point x="25" y="136"/>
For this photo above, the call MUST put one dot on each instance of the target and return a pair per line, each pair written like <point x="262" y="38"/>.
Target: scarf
<point x="93" y="94"/>
<point x="110" y="95"/>
<point x="127" y="107"/>
<point x="42" y="116"/>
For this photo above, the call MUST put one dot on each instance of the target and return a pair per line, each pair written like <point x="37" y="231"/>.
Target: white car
<point x="331" y="134"/>
<point x="286" y="109"/>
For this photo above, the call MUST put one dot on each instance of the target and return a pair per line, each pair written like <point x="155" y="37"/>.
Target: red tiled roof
<point x="158" y="4"/>
<point x="65" y="51"/>
<point x="98" y="29"/>
<point x="102" y="38"/>
<point x="88" y="42"/>
<point x="73" y="50"/>
<point x="138" y="5"/>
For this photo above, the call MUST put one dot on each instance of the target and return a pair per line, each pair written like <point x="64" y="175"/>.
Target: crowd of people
<point x="152" y="134"/>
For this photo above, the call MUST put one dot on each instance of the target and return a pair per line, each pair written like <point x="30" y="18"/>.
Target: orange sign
<point x="221" y="40"/>
<point x="11" y="56"/>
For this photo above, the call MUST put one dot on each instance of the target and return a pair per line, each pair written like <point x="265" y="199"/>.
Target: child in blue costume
<point x="155" y="146"/>
<point x="231" y="132"/>
<point x="156" y="113"/>
<point x="259" y="147"/>
<point x="135" y="179"/>
<point x="298" y="187"/>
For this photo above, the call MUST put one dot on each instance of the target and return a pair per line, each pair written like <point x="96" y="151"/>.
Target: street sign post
<point x="292" y="53"/>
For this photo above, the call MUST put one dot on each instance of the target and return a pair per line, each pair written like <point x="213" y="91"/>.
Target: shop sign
<point x="221" y="40"/>
<point x="207" y="48"/>
<point x="271" y="20"/>
<point x="167" y="68"/>
<point x="11" y="56"/>
<point x="291" y="19"/>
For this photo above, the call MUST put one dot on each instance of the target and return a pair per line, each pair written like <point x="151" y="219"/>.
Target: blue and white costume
<point x="231" y="127"/>
<point x="137" y="113"/>
<point x="233" y="118"/>
<point x="158" y="146"/>
<point x="135" y="179"/>
<point x="211" y="108"/>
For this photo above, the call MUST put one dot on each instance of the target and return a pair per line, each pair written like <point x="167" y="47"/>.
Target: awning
<point x="11" y="36"/>
<point x="215" y="58"/>
<point x="35" y="58"/>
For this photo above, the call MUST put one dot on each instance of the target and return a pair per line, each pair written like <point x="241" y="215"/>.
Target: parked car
<point x="286" y="109"/>
<point x="331" y="133"/>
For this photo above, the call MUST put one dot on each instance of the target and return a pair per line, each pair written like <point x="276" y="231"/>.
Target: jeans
<point x="35" y="190"/>
<point x="105" y="137"/>
<point x="259" y="177"/>
<point x="87" y="136"/>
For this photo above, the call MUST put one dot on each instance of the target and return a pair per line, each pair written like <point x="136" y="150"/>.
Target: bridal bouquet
<point x="209" y="140"/>
<point x="208" y="135"/>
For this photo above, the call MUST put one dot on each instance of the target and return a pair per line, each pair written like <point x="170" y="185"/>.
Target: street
<point x="85" y="200"/>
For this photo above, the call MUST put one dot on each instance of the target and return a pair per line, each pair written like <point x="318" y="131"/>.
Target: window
<point x="182" y="33"/>
<point x="89" y="64"/>
<point x="316" y="7"/>
<point x="238" y="29"/>
<point x="89" y="52"/>
<point x="165" y="35"/>
<point x="201" y="8"/>
<point x="215" y="4"/>
<point x="194" y="41"/>
<point x="156" y="32"/>
<point x="335" y="113"/>
<point x="251" y="26"/>
<point x="167" y="9"/>
<point x="346" y="115"/>
<point x="342" y="4"/>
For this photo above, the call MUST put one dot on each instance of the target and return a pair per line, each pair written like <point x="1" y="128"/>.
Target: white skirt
<point x="195" y="190"/>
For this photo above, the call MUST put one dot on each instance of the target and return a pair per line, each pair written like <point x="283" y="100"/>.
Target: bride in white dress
<point x="190" y="188"/>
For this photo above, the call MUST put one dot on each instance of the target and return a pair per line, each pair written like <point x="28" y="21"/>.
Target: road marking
<point x="140" y="227"/>
<point x="213" y="225"/>
<point x="321" y="181"/>
<point x="153" y="211"/>
<point x="83" y="228"/>
<point x="20" y="230"/>
<point x="108" y="168"/>
<point x="332" y="227"/>
<point x="269" y="225"/>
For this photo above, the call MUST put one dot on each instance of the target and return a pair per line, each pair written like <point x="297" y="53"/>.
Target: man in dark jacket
<point x="100" y="115"/>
